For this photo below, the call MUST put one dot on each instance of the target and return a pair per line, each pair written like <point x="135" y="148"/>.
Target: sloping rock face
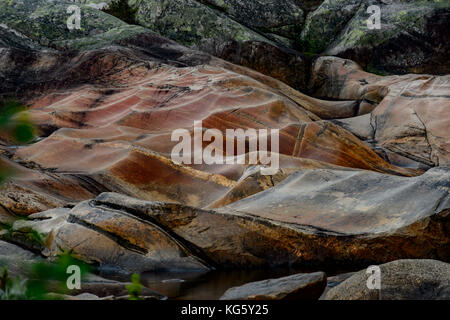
<point x="411" y="37"/>
<point x="45" y="22"/>
<point x="254" y="34"/>
<point x="283" y="18"/>
<point x="409" y="122"/>
<point x="34" y="190"/>
<point x="208" y="23"/>
<point x="296" y="287"/>
<point x="107" y="133"/>
<point x="16" y="259"/>
<point x="333" y="200"/>
<point x="13" y="251"/>
<point x="349" y="221"/>
<point x="400" y="280"/>
<point x="286" y="65"/>
<point x="191" y="23"/>
<point x="110" y="239"/>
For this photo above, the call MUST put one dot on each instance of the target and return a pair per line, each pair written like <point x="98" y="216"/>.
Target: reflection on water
<point x="206" y="286"/>
<point x="209" y="285"/>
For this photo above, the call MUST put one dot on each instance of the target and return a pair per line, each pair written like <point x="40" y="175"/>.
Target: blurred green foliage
<point x="42" y="277"/>
<point x="15" y="127"/>
<point x="135" y="288"/>
<point x="46" y="277"/>
<point x="52" y="277"/>
<point x="14" y="122"/>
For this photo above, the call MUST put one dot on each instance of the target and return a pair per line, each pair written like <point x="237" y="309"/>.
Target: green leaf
<point x="23" y="133"/>
<point x="135" y="288"/>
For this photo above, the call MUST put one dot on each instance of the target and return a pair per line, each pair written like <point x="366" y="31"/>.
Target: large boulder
<point x="399" y="280"/>
<point x="296" y="287"/>
<point x="412" y="37"/>
<point x="191" y="23"/>
<point x="353" y="202"/>
<point x="255" y="34"/>
<point x="346" y="219"/>
<point x="110" y="238"/>
<point x="325" y="23"/>
<point x="45" y="22"/>
<point x="283" y="64"/>
<point x="281" y="17"/>
<point x="408" y="114"/>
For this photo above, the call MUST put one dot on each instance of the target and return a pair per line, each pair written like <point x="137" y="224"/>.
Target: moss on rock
<point x="191" y="23"/>
<point x="411" y="37"/>
<point x="44" y="22"/>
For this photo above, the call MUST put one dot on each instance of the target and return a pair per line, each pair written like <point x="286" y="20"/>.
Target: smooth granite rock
<point x="297" y="287"/>
<point x="400" y="280"/>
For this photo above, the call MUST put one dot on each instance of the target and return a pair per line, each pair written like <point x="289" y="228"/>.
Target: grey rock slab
<point x="400" y="280"/>
<point x="296" y="287"/>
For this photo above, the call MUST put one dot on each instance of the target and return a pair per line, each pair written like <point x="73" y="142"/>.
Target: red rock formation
<point x="118" y="132"/>
<point x="411" y="112"/>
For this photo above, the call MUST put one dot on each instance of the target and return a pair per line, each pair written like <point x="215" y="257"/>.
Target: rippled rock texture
<point x="364" y="158"/>
<point x="106" y="116"/>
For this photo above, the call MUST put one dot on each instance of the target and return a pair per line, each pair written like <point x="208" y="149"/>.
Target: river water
<point x="211" y="285"/>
